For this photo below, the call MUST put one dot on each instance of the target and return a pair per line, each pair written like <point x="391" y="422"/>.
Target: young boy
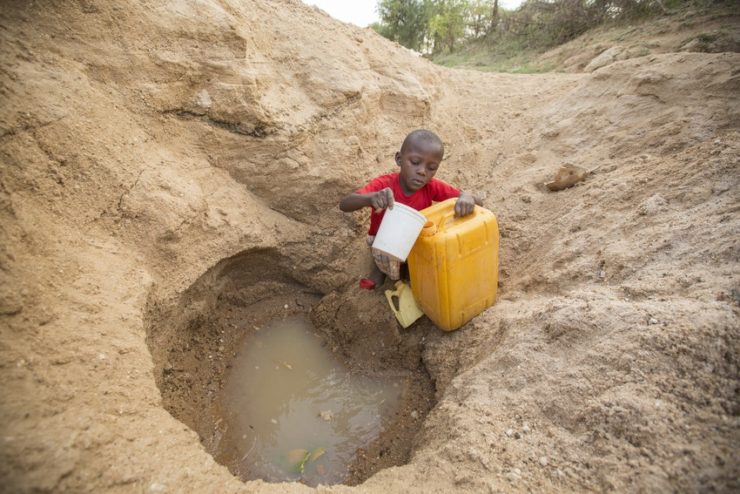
<point x="415" y="186"/>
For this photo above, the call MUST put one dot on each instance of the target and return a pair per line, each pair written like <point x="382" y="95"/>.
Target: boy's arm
<point x="466" y="203"/>
<point x="378" y="200"/>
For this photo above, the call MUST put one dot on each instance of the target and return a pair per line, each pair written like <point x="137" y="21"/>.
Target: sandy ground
<point x="142" y="145"/>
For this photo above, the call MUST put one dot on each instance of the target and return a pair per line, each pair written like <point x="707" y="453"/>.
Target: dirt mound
<point x="143" y="145"/>
<point x="711" y="28"/>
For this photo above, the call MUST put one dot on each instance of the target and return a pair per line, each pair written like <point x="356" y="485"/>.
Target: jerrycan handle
<point x="443" y="220"/>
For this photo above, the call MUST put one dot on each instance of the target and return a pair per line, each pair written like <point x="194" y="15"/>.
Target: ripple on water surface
<point x="294" y="412"/>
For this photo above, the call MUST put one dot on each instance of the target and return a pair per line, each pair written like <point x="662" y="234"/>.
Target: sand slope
<point x="142" y="144"/>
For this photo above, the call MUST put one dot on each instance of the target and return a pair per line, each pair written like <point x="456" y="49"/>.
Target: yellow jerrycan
<point x="453" y="265"/>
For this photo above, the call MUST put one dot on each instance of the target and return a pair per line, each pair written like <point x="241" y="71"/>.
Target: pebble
<point x="653" y="321"/>
<point x="525" y="427"/>
<point x="414" y="414"/>
<point x="157" y="488"/>
<point x="543" y="461"/>
<point x="514" y="474"/>
<point x="509" y="432"/>
<point x="326" y="415"/>
<point x="285" y="306"/>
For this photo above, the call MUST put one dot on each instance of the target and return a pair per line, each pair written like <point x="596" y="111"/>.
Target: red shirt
<point x="435" y="190"/>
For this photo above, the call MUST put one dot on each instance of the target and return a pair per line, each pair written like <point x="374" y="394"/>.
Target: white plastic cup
<point x="398" y="231"/>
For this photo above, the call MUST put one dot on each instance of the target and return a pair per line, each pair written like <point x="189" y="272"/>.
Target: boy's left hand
<point x="465" y="204"/>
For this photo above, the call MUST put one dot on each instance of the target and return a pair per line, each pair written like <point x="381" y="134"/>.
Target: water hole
<point x="295" y="412"/>
<point x="284" y="383"/>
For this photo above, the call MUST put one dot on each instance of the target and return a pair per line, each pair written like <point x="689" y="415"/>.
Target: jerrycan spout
<point x="429" y="229"/>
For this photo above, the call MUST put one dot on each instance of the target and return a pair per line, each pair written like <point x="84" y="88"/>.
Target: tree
<point x="404" y="21"/>
<point x="447" y="25"/>
<point x="479" y="15"/>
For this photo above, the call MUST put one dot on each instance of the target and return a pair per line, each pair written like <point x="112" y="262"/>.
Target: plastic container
<point x="454" y="264"/>
<point x="403" y="304"/>
<point x="398" y="231"/>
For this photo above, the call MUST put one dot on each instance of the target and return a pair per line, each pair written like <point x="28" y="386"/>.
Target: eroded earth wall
<point x="141" y="143"/>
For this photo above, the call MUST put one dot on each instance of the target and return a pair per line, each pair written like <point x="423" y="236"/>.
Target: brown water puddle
<point x="294" y="412"/>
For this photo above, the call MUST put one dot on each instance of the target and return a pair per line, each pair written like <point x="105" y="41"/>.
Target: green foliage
<point x="404" y="21"/>
<point x="508" y="55"/>
<point x="448" y="23"/>
<point x="440" y="27"/>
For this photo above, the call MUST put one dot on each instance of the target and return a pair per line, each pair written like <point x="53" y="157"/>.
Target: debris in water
<point x="295" y="456"/>
<point x="327" y="415"/>
<point x="302" y="464"/>
<point x="317" y="453"/>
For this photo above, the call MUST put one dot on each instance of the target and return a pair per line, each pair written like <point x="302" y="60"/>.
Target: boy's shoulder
<point x="390" y="175"/>
<point x="386" y="178"/>
<point x="379" y="182"/>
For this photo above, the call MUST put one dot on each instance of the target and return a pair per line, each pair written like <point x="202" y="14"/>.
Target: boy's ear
<point x="398" y="158"/>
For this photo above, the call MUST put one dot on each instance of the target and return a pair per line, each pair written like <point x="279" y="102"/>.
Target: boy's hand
<point x="465" y="204"/>
<point x="382" y="199"/>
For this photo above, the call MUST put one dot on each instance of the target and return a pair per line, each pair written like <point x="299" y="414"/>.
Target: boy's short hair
<point x="424" y="135"/>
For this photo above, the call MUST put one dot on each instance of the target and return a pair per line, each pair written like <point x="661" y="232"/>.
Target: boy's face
<point x="419" y="162"/>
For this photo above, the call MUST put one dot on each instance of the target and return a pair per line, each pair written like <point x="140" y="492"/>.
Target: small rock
<point x="525" y="427"/>
<point x="652" y="205"/>
<point x="157" y="488"/>
<point x="414" y="414"/>
<point x="327" y="415"/>
<point x="285" y="306"/>
<point x="567" y="176"/>
<point x="514" y="474"/>
<point x="543" y="461"/>
<point x="509" y="432"/>
<point x="653" y="321"/>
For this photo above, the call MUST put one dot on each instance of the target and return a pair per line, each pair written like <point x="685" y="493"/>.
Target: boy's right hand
<point x="382" y="199"/>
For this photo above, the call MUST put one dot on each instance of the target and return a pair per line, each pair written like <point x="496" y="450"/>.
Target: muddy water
<point x="293" y="412"/>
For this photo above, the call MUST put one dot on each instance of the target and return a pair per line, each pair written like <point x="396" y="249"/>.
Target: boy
<point x="414" y="185"/>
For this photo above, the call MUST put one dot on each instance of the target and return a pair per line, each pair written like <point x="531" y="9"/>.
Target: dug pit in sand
<point x="273" y="399"/>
